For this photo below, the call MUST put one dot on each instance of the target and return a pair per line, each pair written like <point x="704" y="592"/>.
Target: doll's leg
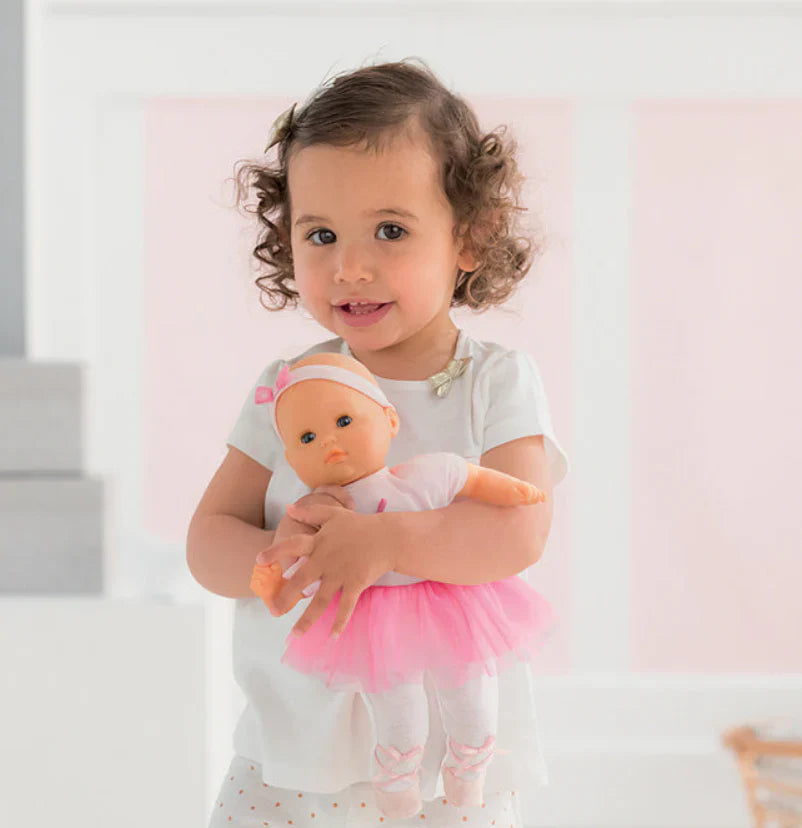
<point x="401" y="717"/>
<point x="470" y="719"/>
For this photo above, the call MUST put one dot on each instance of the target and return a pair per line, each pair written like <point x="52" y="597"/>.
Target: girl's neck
<point x="415" y="358"/>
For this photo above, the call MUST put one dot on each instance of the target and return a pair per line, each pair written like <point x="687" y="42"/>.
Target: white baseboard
<point x="646" y="751"/>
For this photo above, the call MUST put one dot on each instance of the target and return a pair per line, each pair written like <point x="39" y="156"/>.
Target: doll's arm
<point x="498" y="488"/>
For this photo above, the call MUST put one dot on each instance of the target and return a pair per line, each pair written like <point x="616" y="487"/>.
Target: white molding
<point x="601" y="519"/>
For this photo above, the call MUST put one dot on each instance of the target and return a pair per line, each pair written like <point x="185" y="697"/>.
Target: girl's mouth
<point x="359" y="315"/>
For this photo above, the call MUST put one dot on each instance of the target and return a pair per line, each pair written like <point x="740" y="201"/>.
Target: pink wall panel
<point x="716" y="392"/>
<point x="207" y="338"/>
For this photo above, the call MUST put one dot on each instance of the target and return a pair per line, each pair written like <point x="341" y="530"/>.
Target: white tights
<point x="401" y="716"/>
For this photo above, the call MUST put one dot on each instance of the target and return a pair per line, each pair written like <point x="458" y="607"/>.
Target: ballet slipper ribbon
<point x="397" y="758"/>
<point x="469" y="752"/>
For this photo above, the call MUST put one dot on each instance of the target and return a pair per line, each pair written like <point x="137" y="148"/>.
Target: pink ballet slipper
<point x="460" y="791"/>
<point x="404" y="803"/>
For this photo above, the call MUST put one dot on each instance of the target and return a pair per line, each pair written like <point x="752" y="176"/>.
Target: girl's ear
<point x="466" y="260"/>
<point x="393" y="419"/>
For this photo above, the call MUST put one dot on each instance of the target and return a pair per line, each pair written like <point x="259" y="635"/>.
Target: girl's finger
<point x="344" y="611"/>
<point x="338" y="493"/>
<point x="312" y="515"/>
<point x="293" y="547"/>
<point x="317" y="606"/>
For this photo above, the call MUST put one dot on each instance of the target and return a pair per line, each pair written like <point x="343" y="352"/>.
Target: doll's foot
<point x="465" y="771"/>
<point x="266" y="582"/>
<point x="396" y="785"/>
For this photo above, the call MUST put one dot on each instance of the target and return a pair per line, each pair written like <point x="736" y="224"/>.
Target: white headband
<point x="287" y="378"/>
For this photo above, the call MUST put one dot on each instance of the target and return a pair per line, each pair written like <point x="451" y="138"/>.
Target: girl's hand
<point x="267" y="580"/>
<point x="323" y="495"/>
<point x="347" y="553"/>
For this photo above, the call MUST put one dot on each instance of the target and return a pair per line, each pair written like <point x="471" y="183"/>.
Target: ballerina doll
<point x="336" y="426"/>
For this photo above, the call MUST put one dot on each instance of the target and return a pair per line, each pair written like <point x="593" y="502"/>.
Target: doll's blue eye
<point x="343" y="421"/>
<point x="307" y="437"/>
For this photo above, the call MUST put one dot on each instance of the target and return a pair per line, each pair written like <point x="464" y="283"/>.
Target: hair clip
<point x="281" y="126"/>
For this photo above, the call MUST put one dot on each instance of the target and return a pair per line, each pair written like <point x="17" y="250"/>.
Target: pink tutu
<point x="397" y="632"/>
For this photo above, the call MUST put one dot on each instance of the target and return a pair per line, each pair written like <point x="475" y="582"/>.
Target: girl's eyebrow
<point x="308" y="218"/>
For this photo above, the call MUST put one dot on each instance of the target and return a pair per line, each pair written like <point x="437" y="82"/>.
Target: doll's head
<point x="470" y="176"/>
<point x="334" y="420"/>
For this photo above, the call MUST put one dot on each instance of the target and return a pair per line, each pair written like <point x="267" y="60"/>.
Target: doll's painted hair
<point x="368" y="107"/>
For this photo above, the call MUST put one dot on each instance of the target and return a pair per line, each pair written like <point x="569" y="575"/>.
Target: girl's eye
<point x="322" y="230"/>
<point x="307" y="436"/>
<point x="396" y="233"/>
<point x="343" y="421"/>
<point x="395" y="227"/>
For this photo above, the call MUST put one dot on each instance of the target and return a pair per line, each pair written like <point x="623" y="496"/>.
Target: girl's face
<point x="332" y="434"/>
<point x="374" y="228"/>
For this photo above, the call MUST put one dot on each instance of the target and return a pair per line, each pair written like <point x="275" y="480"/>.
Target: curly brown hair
<point x="368" y="107"/>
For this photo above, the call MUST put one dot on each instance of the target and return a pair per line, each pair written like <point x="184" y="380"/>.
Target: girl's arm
<point x="500" y="541"/>
<point x="225" y="534"/>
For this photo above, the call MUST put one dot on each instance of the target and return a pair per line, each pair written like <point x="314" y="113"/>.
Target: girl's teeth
<point x="363" y="309"/>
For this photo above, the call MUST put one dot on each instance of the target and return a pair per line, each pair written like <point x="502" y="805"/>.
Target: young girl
<point x="385" y="208"/>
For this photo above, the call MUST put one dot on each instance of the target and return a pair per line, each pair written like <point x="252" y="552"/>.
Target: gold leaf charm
<point x="443" y="380"/>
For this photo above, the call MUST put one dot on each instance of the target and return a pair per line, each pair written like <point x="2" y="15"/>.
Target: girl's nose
<point x="353" y="268"/>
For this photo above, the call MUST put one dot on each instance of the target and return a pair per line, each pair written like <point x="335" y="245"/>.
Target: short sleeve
<point x="438" y="476"/>
<point x="515" y="406"/>
<point x="253" y="431"/>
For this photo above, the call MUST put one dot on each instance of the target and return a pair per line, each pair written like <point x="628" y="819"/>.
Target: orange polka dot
<point x="253" y="807"/>
<point x="240" y="790"/>
<point x="251" y="767"/>
<point x="300" y="795"/>
<point x="423" y="816"/>
<point x="221" y="804"/>
<point x="264" y="785"/>
<point x="289" y="822"/>
<point x="465" y="819"/>
<point x="381" y="819"/>
<point x="335" y="804"/>
<point x="313" y="814"/>
<point x="445" y="801"/>
<point x="277" y="804"/>
<point x="363" y="804"/>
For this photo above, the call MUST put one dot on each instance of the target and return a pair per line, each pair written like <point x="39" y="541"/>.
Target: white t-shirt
<point x="307" y="737"/>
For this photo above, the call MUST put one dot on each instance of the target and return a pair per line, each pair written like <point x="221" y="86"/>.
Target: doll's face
<point x="333" y="434"/>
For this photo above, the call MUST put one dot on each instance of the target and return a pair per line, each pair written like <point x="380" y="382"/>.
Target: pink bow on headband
<point x="266" y="394"/>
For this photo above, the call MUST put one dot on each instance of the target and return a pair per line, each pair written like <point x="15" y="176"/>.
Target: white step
<point x="102" y="714"/>
<point x="51" y="535"/>
<point x="40" y="416"/>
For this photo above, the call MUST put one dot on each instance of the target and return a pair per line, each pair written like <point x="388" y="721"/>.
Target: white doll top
<point x="306" y="736"/>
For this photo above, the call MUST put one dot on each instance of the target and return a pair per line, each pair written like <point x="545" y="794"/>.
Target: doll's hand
<point x="346" y="554"/>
